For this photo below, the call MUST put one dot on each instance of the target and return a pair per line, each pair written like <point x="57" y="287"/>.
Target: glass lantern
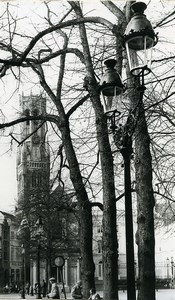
<point x="139" y="40"/>
<point x="111" y="87"/>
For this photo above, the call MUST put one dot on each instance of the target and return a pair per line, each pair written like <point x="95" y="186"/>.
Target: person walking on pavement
<point x="44" y="288"/>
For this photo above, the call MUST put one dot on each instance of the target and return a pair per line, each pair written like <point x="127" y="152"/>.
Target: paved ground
<point x="160" y="295"/>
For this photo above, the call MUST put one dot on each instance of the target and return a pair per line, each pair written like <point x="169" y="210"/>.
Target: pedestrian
<point x="6" y="288"/>
<point x="27" y="288"/>
<point x="36" y="288"/>
<point x="44" y="288"/>
<point x="31" y="290"/>
<point x="54" y="293"/>
<point x="94" y="295"/>
<point x="77" y="291"/>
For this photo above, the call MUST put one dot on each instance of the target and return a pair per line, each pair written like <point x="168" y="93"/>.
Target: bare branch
<point x="51" y="118"/>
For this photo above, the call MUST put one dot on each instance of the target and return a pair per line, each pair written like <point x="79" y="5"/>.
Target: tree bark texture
<point x="110" y="245"/>
<point x="145" y="207"/>
<point x="85" y="214"/>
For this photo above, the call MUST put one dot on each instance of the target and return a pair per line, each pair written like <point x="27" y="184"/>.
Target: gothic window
<point x="64" y="227"/>
<point x="12" y="253"/>
<point x="36" y="153"/>
<point x="20" y="182"/>
<point x="100" y="271"/>
<point x="39" y="179"/>
<point x="36" y="139"/>
<point x="5" y="250"/>
<point x="12" y="275"/>
<point x="36" y="180"/>
<point x="27" y="114"/>
<point x="18" y="253"/>
<point x="5" y="234"/>
<point x="12" y="235"/>
<point x="99" y="228"/>
<point x="35" y="114"/>
<point x="99" y="247"/>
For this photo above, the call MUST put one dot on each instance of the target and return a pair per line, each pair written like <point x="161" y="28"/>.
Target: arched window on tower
<point x="100" y="270"/>
<point x="27" y="114"/>
<point x="34" y="181"/>
<point x="35" y="113"/>
<point x="99" y="244"/>
<point x="37" y="180"/>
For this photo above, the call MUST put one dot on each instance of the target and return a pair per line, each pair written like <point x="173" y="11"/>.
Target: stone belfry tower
<point x="33" y="159"/>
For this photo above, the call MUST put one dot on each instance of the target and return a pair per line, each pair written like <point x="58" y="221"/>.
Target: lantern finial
<point x="138" y="7"/>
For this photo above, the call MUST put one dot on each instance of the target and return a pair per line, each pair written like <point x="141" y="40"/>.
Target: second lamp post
<point x="139" y="38"/>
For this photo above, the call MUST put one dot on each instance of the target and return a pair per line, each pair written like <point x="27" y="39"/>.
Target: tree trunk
<point x="145" y="204"/>
<point x="110" y="246"/>
<point x="85" y="213"/>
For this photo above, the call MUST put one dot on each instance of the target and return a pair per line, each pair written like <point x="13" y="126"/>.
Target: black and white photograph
<point x="87" y="149"/>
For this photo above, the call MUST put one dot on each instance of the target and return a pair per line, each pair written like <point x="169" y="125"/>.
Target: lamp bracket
<point x="111" y="117"/>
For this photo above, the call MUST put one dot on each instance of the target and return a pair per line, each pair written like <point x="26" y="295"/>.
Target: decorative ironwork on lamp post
<point x="139" y="38"/>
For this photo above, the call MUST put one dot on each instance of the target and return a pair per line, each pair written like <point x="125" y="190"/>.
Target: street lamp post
<point x="59" y="262"/>
<point x="23" y="273"/>
<point x="139" y="38"/>
<point x="123" y="141"/>
<point x="39" y="230"/>
<point x="172" y="272"/>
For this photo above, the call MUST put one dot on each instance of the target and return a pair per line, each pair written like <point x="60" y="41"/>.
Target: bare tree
<point x="77" y="41"/>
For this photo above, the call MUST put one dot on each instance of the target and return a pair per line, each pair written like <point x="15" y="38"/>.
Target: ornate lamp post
<point x="39" y="231"/>
<point x="123" y="141"/>
<point x="139" y="38"/>
<point x="23" y="272"/>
